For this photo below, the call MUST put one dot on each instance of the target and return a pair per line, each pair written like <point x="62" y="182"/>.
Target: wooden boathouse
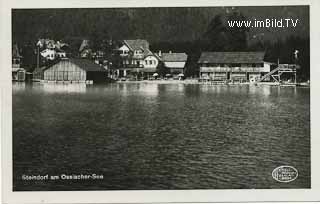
<point x="74" y="70"/>
<point x="235" y="66"/>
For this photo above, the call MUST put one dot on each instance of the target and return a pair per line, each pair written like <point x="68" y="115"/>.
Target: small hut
<point x="18" y="73"/>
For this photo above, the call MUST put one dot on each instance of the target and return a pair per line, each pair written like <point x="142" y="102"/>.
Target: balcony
<point x="234" y="69"/>
<point x="131" y="66"/>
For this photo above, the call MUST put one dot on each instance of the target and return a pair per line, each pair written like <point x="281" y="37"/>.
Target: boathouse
<point x="174" y="62"/>
<point x="75" y="70"/>
<point x="235" y="66"/>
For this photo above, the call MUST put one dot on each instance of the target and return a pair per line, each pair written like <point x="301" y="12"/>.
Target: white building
<point x="49" y="54"/>
<point x="136" y="59"/>
<point x="236" y="66"/>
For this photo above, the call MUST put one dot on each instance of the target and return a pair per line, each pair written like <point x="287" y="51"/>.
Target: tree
<point x="237" y="35"/>
<point x="216" y="34"/>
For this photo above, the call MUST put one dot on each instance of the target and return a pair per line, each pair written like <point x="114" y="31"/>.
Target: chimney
<point x="159" y="53"/>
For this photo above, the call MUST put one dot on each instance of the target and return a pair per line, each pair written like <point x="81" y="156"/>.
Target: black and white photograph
<point x="157" y="98"/>
<point x="160" y="98"/>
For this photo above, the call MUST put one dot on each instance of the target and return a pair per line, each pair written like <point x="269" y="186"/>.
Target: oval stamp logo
<point x="285" y="174"/>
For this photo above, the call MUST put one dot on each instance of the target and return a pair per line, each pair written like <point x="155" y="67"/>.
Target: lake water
<point x="160" y="136"/>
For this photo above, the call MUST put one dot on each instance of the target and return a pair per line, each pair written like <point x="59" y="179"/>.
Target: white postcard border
<point x="147" y="196"/>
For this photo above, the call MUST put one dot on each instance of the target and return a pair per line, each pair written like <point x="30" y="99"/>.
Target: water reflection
<point x="64" y="88"/>
<point x="161" y="136"/>
<point x="18" y="86"/>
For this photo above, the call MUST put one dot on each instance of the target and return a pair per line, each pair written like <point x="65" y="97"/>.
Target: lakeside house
<point x="18" y="73"/>
<point x="85" y="50"/>
<point x="60" y="53"/>
<point x="174" y="62"/>
<point x="48" y="54"/>
<point x="136" y="59"/>
<point x="236" y="66"/>
<point x="73" y="70"/>
<point x="50" y="50"/>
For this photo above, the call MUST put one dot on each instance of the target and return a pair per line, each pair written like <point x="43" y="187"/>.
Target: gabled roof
<point x="84" y="45"/>
<point x="15" y="51"/>
<point x="84" y="64"/>
<point x="174" y="57"/>
<point x="231" y="57"/>
<point x="137" y="44"/>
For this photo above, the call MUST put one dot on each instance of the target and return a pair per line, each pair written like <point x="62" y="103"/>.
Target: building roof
<point x="87" y="65"/>
<point x="84" y="64"/>
<point x="231" y="57"/>
<point x="137" y="44"/>
<point x="59" y="49"/>
<point x="84" y="45"/>
<point x="15" y="51"/>
<point x="17" y="69"/>
<point x="174" y="57"/>
<point x="46" y="43"/>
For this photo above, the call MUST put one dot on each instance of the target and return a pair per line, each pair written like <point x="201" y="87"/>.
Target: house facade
<point x="18" y="73"/>
<point x="60" y="53"/>
<point x="85" y="50"/>
<point x="75" y="70"/>
<point x="174" y="62"/>
<point x="136" y="59"/>
<point x="50" y="50"/>
<point x="48" y="54"/>
<point x="235" y="66"/>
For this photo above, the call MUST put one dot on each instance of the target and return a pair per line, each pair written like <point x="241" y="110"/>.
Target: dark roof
<point x="174" y="57"/>
<point x="87" y="65"/>
<point x="84" y="64"/>
<point x="59" y="49"/>
<point x="137" y="44"/>
<point x="231" y="57"/>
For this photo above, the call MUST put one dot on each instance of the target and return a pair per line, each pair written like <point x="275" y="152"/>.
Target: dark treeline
<point x="189" y="30"/>
<point x="220" y="37"/>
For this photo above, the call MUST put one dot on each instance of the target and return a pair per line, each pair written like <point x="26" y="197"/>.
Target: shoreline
<point x="195" y="81"/>
<point x="187" y="81"/>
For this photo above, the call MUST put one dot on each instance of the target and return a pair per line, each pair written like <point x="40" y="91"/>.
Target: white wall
<point x="153" y="59"/>
<point x="49" y="54"/>
<point x="266" y="67"/>
<point x="174" y="64"/>
<point x="124" y="49"/>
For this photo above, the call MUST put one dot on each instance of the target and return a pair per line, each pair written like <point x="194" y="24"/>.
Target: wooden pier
<point x="277" y="72"/>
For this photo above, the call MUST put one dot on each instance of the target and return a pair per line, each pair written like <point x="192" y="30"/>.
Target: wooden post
<point x="38" y="57"/>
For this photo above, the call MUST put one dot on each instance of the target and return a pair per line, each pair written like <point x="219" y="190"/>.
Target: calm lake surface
<point x="160" y="136"/>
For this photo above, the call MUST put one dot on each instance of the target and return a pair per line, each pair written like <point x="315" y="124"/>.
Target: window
<point x="146" y="62"/>
<point x="150" y="61"/>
